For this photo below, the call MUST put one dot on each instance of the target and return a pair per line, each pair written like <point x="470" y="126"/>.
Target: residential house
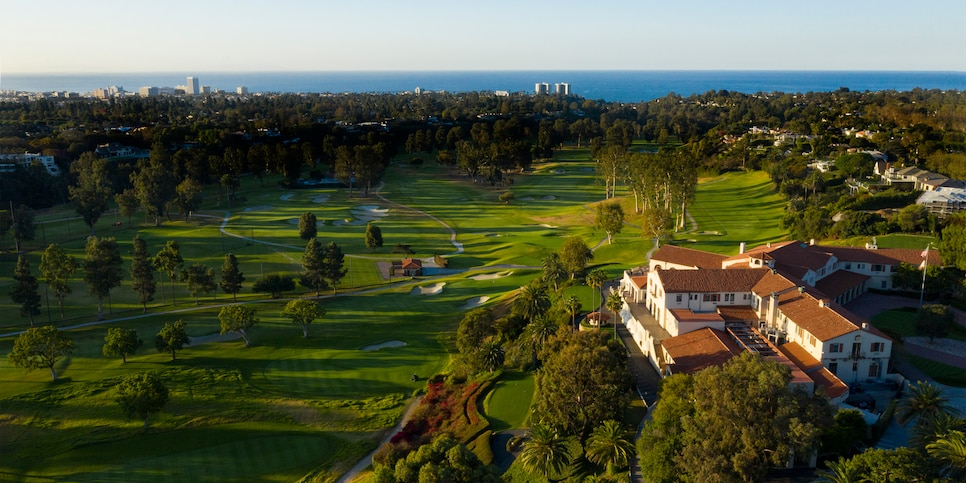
<point x="943" y="201"/>
<point x="408" y="267"/>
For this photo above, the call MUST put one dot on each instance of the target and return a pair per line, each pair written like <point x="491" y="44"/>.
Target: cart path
<point x="367" y="461"/>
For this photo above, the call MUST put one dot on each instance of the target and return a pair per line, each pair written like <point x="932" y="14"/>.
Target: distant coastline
<point x="622" y="86"/>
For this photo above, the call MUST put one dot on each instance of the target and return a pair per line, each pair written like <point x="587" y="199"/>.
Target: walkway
<point x="367" y="461"/>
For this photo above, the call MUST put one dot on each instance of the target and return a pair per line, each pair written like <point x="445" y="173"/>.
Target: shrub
<point x="274" y="284"/>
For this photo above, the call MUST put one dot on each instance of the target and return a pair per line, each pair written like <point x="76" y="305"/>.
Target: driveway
<point x="869" y="304"/>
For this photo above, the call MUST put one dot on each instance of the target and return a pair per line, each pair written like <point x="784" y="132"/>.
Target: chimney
<point x="811" y="242"/>
<point x="865" y="326"/>
<point x="822" y="303"/>
<point x="741" y="248"/>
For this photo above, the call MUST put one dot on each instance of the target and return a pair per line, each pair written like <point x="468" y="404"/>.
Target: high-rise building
<point x="192" y="88"/>
<point x="241" y="90"/>
<point x="148" y="91"/>
<point x="561" y="89"/>
<point x="541" y="88"/>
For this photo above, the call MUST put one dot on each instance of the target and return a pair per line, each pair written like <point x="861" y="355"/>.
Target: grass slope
<point x="734" y="208"/>
<point x="286" y="406"/>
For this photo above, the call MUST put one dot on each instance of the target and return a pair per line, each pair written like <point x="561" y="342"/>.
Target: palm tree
<point x="572" y="306"/>
<point x="596" y="279"/>
<point x="532" y="302"/>
<point x="537" y="333"/>
<point x="608" y="445"/>
<point x="935" y="428"/>
<point x="491" y="354"/>
<point x="924" y="403"/>
<point x="553" y="270"/>
<point x="950" y="450"/>
<point x="614" y="303"/>
<point x="546" y="452"/>
<point x="841" y="471"/>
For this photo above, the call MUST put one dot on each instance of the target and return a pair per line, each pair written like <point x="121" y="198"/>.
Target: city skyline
<point x="55" y="36"/>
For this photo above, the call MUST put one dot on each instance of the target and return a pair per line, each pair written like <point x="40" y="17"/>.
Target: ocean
<point x="620" y="86"/>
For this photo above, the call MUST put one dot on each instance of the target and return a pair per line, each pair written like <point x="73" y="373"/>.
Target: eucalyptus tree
<point x="102" y="269"/>
<point x="142" y="273"/>
<point x="92" y="190"/>
<point x="169" y="260"/>
<point x="57" y="268"/>
<point x="24" y="291"/>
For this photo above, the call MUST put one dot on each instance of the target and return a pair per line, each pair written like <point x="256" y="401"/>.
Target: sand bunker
<point x="434" y="289"/>
<point x="320" y="199"/>
<point x="491" y="276"/>
<point x="549" y="226"/>
<point x="549" y="198"/>
<point x="363" y="215"/>
<point x="526" y="198"/>
<point x="384" y="345"/>
<point x="474" y="302"/>
<point x="259" y="208"/>
<point x="286" y="196"/>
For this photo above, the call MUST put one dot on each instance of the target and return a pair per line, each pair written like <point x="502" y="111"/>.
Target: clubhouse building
<point x="689" y="309"/>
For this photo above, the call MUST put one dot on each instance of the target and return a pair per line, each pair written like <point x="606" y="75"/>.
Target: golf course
<point x="290" y="408"/>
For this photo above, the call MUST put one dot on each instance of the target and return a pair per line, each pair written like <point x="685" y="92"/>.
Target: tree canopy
<point x="730" y="423"/>
<point x="140" y="395"/>
<point x="41" y="348"/>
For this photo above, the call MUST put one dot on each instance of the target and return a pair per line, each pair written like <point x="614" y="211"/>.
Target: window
<point x="811" y="340"/>
<point x="833" y="366"/>
<point x="878" y="346"/>
<point x="848" y="266"/>
<point x="860" y="266"/>
<point x="878" y="268"/>
<point x="885" y="284"/>
<point x="893" y="268"/>
<point x="855" y="367"/>
<point x="836" y="347"/>
<point x="711" y="297"/>
<point x="680" y="298"/>
<point x="874" y="370"/>
<point x="745" y="296"/>
<point x="729" y="297"/>
<point x="801" y="332"/>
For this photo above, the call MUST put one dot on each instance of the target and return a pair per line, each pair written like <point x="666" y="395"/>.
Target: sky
<point x="81" y="36"/>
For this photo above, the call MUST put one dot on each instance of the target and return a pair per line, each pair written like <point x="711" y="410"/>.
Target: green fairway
<point x="734" y="208"/>
<point x="289" y="406"/>
<point x="508" y="403"/>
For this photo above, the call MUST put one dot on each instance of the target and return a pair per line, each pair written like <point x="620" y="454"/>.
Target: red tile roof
<point x="738" y="313"/>
<point x="699" y="349"/>
<point x="686" y="315"/>
<point x="819" y="319"/>
<point x="911" y="256"/>
<point x="687" y="257"/>
<point x="834" y="387"/>
<point x="711" y="280"/>
<point x="409" y="263"/>
<point x="839" y="282"/>
<point x="639" y="282"/>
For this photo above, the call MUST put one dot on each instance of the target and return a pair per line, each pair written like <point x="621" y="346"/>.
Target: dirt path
<point x="367" y="461"/>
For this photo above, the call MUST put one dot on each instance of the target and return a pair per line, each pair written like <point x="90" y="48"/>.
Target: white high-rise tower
<point x="192" y="88"/>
